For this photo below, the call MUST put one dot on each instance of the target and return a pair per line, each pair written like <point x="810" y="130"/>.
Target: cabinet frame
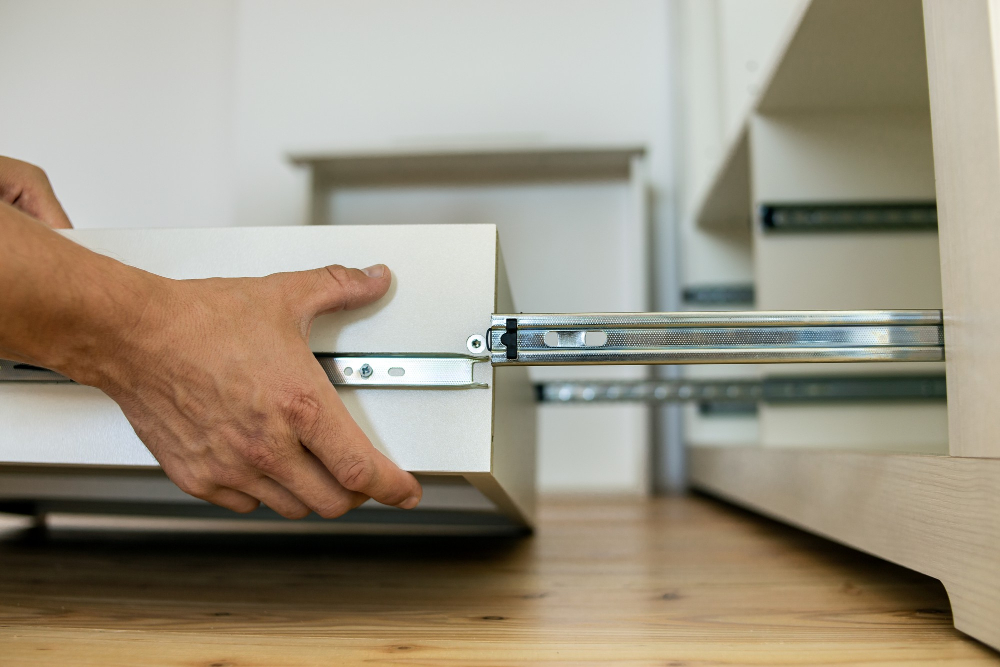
<point x="939" y="515"/>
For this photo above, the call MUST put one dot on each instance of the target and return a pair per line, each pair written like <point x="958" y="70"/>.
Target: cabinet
<point x="887" y="106"/>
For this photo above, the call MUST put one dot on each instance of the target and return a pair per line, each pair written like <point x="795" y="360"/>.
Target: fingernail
<point x="375" y="271"/>
<point x="409" y="503"/>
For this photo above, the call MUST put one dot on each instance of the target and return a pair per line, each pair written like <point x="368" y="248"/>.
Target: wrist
<point x="102" y="333"/>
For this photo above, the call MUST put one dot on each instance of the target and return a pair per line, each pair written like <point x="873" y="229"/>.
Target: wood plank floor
<point x="682" y="581"/>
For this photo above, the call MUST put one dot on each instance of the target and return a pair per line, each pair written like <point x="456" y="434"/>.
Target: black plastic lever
<point x="509" y="338"/>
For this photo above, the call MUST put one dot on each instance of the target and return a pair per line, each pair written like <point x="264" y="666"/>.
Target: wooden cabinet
<point x="891" y="103"/>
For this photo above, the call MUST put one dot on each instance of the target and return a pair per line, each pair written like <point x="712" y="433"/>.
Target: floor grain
<point x="681" y="581"/>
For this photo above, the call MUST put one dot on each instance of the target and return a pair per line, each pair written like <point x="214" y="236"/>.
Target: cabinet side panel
<point x="961" y="65"/>
<point x="846" y="157"/>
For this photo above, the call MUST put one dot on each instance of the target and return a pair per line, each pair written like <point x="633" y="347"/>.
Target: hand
<point x="217" y="379"/>
<point x="26" y="187"/>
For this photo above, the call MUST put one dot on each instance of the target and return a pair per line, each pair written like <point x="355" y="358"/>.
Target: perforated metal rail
<point x="751" y="337"/>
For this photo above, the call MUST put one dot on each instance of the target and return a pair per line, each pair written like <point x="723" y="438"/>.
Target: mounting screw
<point x="366" y="371"/>
<point x="476" y="344"/>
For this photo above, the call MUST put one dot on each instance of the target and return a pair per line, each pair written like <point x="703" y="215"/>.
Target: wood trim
<point x="938" y="515"/>
<point x="469" y="166"/>
<point x="964" y="121"/>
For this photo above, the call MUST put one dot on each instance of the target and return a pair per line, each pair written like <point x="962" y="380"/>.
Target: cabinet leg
<point x="976" y="609"/>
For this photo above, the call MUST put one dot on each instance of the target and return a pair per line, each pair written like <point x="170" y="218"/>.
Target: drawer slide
<point x="587" y="339"/>
<point x="750" y="337"/>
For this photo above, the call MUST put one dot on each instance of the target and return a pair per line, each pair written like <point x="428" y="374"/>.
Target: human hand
<point x="217" y="379"/>
<point x="27" y="188"/>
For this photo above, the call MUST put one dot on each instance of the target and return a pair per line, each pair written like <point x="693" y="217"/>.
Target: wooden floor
<point x="686" y="581"/>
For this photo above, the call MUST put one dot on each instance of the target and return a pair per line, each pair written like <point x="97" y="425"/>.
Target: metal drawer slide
<point x="750" y="337"/>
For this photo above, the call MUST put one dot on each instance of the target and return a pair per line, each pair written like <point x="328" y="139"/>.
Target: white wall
<point x="180" y="112"/>
<point x="345" y="75"/>
<point x="177" y="112"/>
<point x="127" y="105"/>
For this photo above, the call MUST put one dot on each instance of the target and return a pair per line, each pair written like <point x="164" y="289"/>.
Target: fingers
<point x="230" y="499"/>
<point x="344" y="449"/>
<point x="279" y="434"/>
<point x="313" y="485"/>
<point x="295" y="489"/>
<point x="333" y="288"/>
<point x="278" y="498"/>
<point x="27" y="188"/>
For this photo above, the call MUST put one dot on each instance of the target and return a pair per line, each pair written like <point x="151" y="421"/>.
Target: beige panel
<point x="961" y="57"/>
<point x="875" y="427"/>
<point x="724" y="205"/>
<point x="827" y="157"/>
<point x="853" y="156"/>
<point x="852" y="54"/>
<point x="818" y="271"/>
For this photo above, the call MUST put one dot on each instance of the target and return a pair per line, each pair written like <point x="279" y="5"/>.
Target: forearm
<point x="63" y="306"/>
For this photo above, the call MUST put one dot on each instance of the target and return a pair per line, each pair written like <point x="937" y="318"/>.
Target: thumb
<point x="333" y="288"/>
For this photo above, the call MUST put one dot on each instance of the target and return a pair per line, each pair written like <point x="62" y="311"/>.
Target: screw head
<point x="365" y="371"/>
<point x="476" y="344"/>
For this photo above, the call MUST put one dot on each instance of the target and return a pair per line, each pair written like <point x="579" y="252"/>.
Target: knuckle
<point x="339" y="275"/>
<point x="262" y="455"/>
<point x="301" y="407"/>
<point x="355" y="472"/>
<point x="233" y="477"/>
<point x="197" y="486"/>
<point x="37" y="173"/>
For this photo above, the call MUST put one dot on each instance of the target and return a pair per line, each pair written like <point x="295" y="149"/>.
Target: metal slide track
<point x="748" y="337"/>
<point x="586" y="339"/>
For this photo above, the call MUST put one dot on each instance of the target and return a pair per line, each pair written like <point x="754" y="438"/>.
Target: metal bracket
<point x="719" y="295"/>
<point x="401" y="370"/>
<point x="386" y="370"/>
<point x="750" y="337"/>
<point x="898" y="216"/>
<point x="768" y="390"/>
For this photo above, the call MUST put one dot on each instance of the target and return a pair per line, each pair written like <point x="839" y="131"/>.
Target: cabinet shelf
<point x="840" y="56"/>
